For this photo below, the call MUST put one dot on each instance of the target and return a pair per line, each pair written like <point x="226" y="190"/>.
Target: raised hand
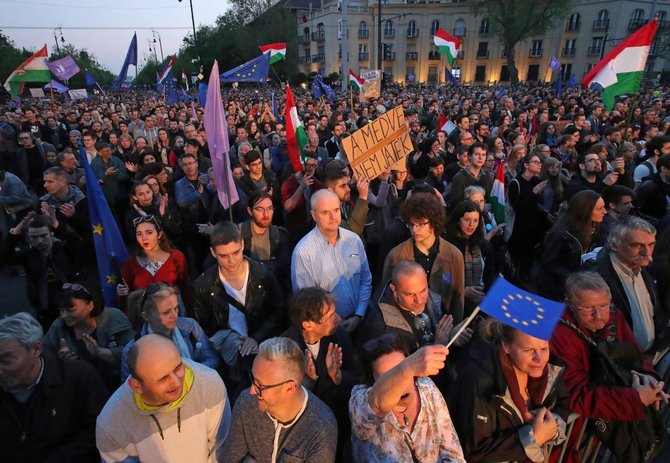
<point x="334" y="362"/>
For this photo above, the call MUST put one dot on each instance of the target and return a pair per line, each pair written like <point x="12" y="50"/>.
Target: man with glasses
<point x="264" y="242"/>
<point x="623" y="265"/>
<point x="482" y="132"/>
<point x="170" y="409"/>
<point x="590" y="176"/>
<point x="277" y="419"/>
<point x="259" y="179"/>
<point x="589" y="319"/>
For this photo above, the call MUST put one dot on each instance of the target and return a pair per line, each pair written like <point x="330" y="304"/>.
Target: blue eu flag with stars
<point x="255" y="70"/>
<point x="534" y="315"/>
<point x="110" y="251"/>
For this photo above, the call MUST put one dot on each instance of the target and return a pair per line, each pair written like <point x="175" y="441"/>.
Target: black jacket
<point x="59" y="423"/>
<point x="279" y="263"/>
<point x="606" y="270"/>
<point x="561" y="256"/>
<point x="482" y="409"/>
<point x="651" y="198"/>
<point x="264" y="307"/>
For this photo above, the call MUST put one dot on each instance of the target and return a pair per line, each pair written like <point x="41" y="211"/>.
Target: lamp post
<point x="59" y="29"/>
<point x="160" y="42"/>
<point x="195" y="39"/>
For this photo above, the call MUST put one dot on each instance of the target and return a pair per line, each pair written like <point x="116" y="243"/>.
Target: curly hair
<point x="424" y="207"/>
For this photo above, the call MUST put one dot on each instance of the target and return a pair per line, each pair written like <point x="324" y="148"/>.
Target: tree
<point x="10" y="57"/>
<point x="248" y="10"/>
<point x="517" y="20"/>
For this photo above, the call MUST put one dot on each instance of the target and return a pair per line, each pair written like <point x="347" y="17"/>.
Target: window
<point x="638" y="13"/>
<point x="389" y="32"/>
<point x="504" y="73"/>
<point x="570" y="47"/>
<point x="459" y="28"/>
<point x="573" y="22"/>
<point x="636" y="19"/>
<point x="533" y="72"/>
<point x="483" y="50"/>
<point x="363" y="30"/>
<point x="480" y="73"/>
<point x="603" y="15"/>
<point x="432" y="75"/>
<point x="388" y="73"/>
<point x="484" y="27"/>
<point x="602" y="21"/>
<point x="566" y="71"/>
<point x="456" y="72"/>
<point x="362" y="52"/>
<point x="434" y="26"/>
<point x="596" y="46"/>
<point x="410" y="74"/>
<point x="536" y="49"/>
<point x="412" y="30"/>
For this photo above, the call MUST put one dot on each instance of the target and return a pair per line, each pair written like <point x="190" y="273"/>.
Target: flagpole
<point x="226" y="184"/>
<point x="275" y="73"/>
<point x="631" y="109"/>
<point x="51" y="91"/>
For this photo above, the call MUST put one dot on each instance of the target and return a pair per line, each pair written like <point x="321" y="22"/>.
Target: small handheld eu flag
<point x="527" y="312"/>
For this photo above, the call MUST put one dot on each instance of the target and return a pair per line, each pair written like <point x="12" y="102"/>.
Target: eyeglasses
<point x="146" y="218"/>
<point x="152" y="289"/>
<point x="534" y="161"/>
<point x="260" y="389"/>
<point x="75" y="287"/>
<point x="601" y="309"/>
<point x="417" y="224"/>
<point x="586" y="161"/>
<point x="372" y="345"/>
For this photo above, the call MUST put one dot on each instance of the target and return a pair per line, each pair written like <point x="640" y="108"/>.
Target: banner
<point x="380" y="144"/>
<point x="372" y="85"/>
<point x="36" y="92"/>
<point x="78" y="93"/>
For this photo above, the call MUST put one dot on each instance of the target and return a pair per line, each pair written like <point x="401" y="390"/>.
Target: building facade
<point x="592" y="30"/>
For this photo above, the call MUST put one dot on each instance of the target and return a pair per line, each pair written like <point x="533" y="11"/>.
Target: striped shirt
<point x="341" y="268"/>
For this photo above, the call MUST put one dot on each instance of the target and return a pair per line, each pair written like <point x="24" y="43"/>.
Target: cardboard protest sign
<point x="380" y="144"/>
<point x="372" y="86"/>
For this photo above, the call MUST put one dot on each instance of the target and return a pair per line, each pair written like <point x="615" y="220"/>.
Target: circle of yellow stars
<point x="539" y="315"/>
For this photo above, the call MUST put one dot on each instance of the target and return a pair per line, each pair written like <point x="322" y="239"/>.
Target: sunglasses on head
<point x="372" y="345"/>
<point x="146" y="218"/>
<point x="75" y="287"/>
<point x="152" y="289"/>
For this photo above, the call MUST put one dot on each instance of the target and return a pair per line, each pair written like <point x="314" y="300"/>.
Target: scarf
<point x="535" y="386"/>
<point x="189" y="377"/>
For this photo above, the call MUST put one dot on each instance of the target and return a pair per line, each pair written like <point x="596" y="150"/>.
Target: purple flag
<point x="217" y="139"/>
<point x="63" y="68"/>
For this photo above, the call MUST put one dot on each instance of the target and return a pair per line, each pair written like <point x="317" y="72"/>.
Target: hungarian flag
<point x="447" y="44"/>
<point x="296" y="138"/>
<point x="620" y="72"/>
<point x="356" y="80"/>
<point x="34" y="69"/>
<point x="166" y="71"/>
<point x="497" y="198"/>
<point x="277" y="51"/>
<point x="184" y="78"/>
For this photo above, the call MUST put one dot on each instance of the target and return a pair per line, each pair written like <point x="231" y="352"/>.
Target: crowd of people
<point x="310" y="320"/>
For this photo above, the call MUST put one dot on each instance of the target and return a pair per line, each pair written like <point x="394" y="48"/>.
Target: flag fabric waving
<point x="296" y="138"/>
<point x="277" y="51"/>
<point x="168" y="67"/>
<point x="64" y="68"/>
<point x="534" y="315"/>
<point x="320" y="88"/>
<point x="450" y="77"/>
<point x="110" y="250"/>
<point x="498" y="195"/>
<point x="255" y="70"/>
<point x="554" y="64"/>
<point x="356" y="80"/>
<point x="131" y="58"/>
<point x="216" y="128"/>
<point x="90" y="80"/>
<point x="447" y="44"/>
<point x="34" y="69"/>
<point x="621" y="71"/>
<point x="184" y="77"/>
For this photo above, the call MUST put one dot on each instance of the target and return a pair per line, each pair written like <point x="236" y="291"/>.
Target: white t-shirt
<point x="236" y="318"/>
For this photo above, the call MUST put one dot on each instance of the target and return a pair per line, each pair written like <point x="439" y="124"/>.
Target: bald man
<point x="170" y="409"/>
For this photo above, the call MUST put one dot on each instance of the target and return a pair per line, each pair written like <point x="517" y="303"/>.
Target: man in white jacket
<point x="169" y="410"/>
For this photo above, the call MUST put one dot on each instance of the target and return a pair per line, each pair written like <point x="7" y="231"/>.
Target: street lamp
<point x="195" y="39"/>
<point x="59" y="29"/>
<point x="160" y="43"/>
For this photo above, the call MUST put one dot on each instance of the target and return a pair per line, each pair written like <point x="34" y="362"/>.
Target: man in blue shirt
<point x="334" y="259"/>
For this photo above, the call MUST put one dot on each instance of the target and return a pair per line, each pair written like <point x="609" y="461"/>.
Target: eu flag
<point x="501" y="93"/>
<point x="534" y="315"/>
<point x="131" y="58"/>
<point x="255" y="70"/>
<point x="110" y="251"/>
<point x="450" y="77"/>
<point x="90" y="80"/>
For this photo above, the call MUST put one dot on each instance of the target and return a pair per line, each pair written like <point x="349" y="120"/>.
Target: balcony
<point x="304" y="59"/>
<point x="319" y="36"/>
<point x="389" y="34"/>
<point x="594" y="51"/>
<point x="303" y="39"/>
<point x="637" y="23"/>
<point x="482" y="54"/>
<point x="412" y="34"/>
<point x="412" y="56"/>
<point x="319" y="58"/>
<point x="573" y="26"/>
<point x="601" y="24"/>
<point x="433" y="56"/>
<point x="485" y="32"/>
<point x="363" y="34"/>
<point x="569" y="51"/>
<point x="389" y="56"/>
<point x="363" y="56"/>
<point x="459" y="31"/>
<point x="535" y="53"/>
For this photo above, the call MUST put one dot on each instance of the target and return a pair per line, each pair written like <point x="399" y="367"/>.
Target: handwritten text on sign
<point x="382" y="143"/>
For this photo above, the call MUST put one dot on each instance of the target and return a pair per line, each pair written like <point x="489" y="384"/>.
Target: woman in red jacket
<point x="590" y="318"/>
<point x="156" y="261"/>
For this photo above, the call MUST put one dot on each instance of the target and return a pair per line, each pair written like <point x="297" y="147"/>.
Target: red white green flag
<point x="277" y="51"/>
<point x="356" y="80"/>
<point x="34" y="69"/>
<point x="497" y="198"/>
<point x="621" y="71"/>
<point x="447" y="44"/>
<point x="296" y="138"/>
